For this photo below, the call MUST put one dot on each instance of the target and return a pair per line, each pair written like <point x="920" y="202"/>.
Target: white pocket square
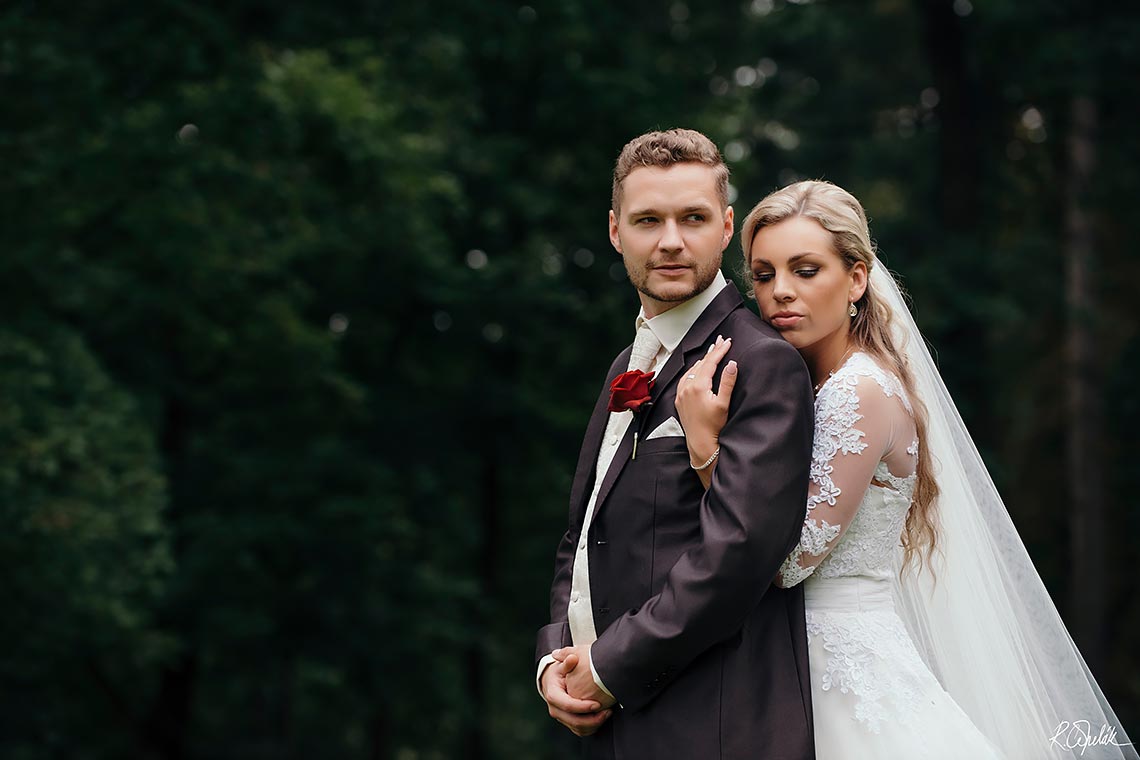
<point x="668" y="428"/>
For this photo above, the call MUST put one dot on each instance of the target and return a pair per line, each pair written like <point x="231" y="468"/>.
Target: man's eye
<point x="695" y="218"/>
<point x="761" y="276"/>
<point x="645" y="220"/>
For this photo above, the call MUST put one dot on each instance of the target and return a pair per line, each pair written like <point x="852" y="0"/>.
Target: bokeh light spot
<point x="476" y="259"/>
<point x="188" y="133"/>
<point x="493" y="332"/>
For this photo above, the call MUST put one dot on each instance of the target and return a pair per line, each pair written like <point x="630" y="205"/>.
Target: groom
<point x="667" y="638"/>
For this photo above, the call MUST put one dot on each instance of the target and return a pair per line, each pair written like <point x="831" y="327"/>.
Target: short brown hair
<point x="664" y="149"/>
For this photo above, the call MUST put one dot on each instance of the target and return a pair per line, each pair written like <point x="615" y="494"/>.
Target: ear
<point x="858" y="281"/>
<point x="615" y="239"/>
<point x="729" y="228"/>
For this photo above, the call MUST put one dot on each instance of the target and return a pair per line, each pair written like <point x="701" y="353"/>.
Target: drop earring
<point x="852" y="311"/>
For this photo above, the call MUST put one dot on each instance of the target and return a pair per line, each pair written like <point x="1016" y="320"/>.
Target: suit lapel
<point x="695" y="340"/>
<point x="699" y="336"/>
<point x="592" y="442"/>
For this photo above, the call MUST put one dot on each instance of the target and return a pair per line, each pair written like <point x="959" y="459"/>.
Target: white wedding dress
<point x="972" y="661"/>
<point x="873" y="695"/>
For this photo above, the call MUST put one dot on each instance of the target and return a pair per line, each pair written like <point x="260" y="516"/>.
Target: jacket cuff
<point x="551" y="637"/>
<point x="598" y="678"/>
<point x="543" y="664"/>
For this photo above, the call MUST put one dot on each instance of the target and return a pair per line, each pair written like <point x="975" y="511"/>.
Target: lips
<point x="671" y="269"/>
<point x="785" y="319"/>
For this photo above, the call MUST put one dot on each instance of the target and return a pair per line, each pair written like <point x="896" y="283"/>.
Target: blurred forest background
<point x="305" y="305"/>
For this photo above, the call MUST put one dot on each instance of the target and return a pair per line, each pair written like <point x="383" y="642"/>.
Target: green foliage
<point x="84" y="551"/>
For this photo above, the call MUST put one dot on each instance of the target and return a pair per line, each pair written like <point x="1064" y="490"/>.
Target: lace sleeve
<point x="861" y="419"/>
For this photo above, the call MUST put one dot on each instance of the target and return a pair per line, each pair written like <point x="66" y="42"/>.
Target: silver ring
<point x="690" y="377"/>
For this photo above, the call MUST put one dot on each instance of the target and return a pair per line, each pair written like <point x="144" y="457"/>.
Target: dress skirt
<point x="872" y="695"/>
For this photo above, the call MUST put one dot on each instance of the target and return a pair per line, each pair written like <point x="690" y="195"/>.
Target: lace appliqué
<point x="902" y="485"/>
<point x="814" y="538"/>
<point x="836" y="413"/>
<point x="870" y="656"/>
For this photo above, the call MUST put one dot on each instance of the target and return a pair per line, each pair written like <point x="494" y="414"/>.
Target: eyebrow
<point x="793" y="260"/>
<point x="687" y="210"/>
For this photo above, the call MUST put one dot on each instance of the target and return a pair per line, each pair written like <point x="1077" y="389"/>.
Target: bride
<point x="930" y="633"/>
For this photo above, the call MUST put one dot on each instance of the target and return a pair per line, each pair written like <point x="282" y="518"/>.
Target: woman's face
<point x="801" y="285"/>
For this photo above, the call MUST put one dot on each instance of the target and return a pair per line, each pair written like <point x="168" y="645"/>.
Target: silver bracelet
<point x="708" y="462"/>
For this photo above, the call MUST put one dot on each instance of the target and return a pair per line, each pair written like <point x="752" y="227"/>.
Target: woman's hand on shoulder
<point x="702" y="412"/>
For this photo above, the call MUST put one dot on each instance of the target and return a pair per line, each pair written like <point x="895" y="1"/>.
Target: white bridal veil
<point x="986" y="625"/>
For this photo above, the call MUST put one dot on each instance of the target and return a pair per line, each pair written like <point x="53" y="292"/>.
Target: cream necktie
<point x="645" y="348"/>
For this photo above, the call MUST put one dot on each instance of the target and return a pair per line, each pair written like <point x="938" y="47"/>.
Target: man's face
<point x="671" y="232"/>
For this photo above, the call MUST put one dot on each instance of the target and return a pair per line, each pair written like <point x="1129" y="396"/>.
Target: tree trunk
<point x="170" y="715"/>
<point x="380" y="731"/>
<point x="1085" y="428"/>
<point x="489" y="528"/>
<point x="167" y="724"/>
<point x="959" y="145"/>
<point x="957" y="198"/>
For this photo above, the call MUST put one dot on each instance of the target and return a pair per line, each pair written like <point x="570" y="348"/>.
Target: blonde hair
<point x="838" y="212"/>
<point x="664" y="149"/>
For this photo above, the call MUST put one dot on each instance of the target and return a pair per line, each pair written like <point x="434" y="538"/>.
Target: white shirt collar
<point x="671" y="326"/>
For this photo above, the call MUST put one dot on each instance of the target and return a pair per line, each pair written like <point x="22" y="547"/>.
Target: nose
<point x="782" y="289"/>
<point x="671" y="239"/>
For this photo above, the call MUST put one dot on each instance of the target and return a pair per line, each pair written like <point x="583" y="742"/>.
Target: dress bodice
<point x="868" y="546"/>
<point x="857" y="508"/>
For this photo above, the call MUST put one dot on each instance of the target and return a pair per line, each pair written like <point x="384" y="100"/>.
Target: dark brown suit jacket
<point x="706" y="657"/>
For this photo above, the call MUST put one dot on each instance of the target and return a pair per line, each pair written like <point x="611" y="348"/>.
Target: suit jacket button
<point x="604" y="611"/>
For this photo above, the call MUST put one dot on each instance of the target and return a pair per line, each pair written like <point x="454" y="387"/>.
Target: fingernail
<point x="730" y="368"/>
<point x="711" y="348"/>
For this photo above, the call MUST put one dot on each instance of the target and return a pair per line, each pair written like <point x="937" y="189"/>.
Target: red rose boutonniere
<point x="630" y="391"/>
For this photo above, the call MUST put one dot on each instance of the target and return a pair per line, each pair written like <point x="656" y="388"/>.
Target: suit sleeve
<point x="750" y="519"/>
<point x="556" y="634"/>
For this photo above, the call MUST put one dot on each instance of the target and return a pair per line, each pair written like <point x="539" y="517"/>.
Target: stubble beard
<point x="703" y="278"/>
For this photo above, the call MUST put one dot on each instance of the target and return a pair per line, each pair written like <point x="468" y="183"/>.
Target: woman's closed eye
<point x="802" y="272"/>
